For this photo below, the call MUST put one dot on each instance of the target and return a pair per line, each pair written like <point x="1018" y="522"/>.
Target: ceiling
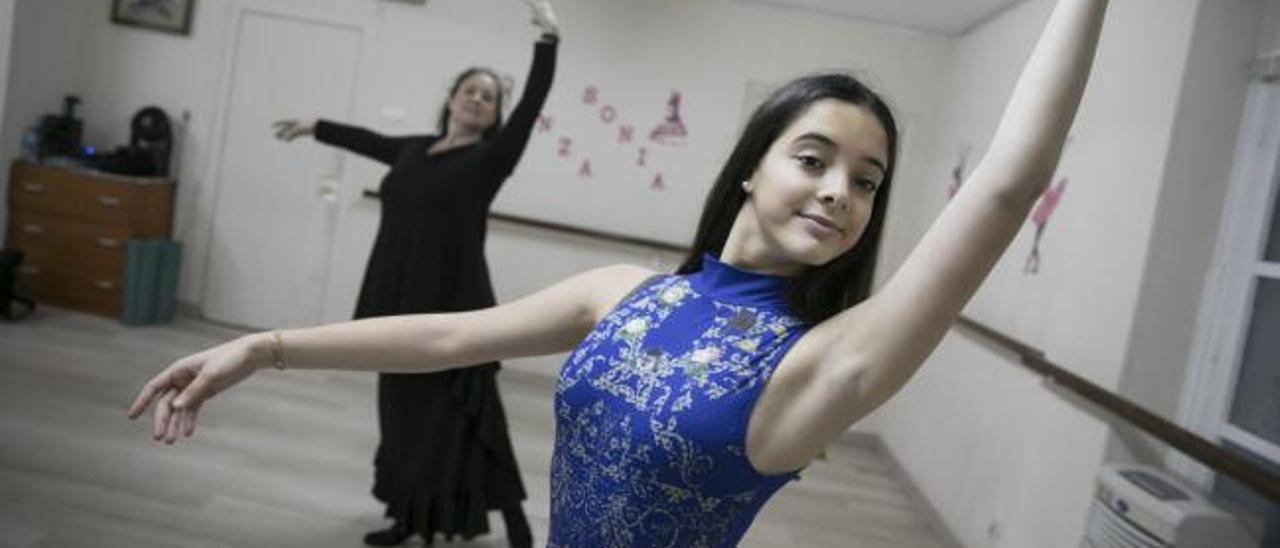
<point x="950" y="17"/>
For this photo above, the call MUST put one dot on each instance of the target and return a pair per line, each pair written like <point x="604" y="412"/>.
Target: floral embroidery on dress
<point x="640" y="456"/>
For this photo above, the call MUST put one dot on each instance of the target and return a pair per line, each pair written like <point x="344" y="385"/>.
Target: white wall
<point x="43" y="57"/>
<point x="1269" y="40"/>
<point x="1189" y="211"/>
<point x="636" y="64"/>
<point x="1007" y="461"/>
<point x="6" y="41"/>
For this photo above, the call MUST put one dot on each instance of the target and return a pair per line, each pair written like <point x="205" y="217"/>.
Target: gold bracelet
<point x="277" y="351"/>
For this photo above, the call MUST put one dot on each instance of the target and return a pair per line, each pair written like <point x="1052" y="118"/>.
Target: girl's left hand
<point x="544" y="17"/>
<point x="181" y="389"/>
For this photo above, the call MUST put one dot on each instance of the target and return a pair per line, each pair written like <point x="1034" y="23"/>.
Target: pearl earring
<point x="746" y="186"/>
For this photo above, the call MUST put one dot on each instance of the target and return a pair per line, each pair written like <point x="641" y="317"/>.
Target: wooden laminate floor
<point x="284" y="460"/>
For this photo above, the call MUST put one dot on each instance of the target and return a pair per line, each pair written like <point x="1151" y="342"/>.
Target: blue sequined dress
<point x="652" y="411"/>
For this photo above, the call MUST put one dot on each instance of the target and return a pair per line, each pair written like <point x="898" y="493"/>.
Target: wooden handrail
<point x="575" y="230"/>
<point x="590" y="233"/>
<point x="1259" y="479"/>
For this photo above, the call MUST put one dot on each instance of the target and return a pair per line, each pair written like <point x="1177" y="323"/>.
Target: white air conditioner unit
<point x="1141" y="507"/>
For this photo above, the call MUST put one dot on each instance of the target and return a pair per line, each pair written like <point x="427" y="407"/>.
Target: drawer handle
<point x="104" y="284"/>
<point x="108" y="242"/>
<point x="31" y="228"/>
<point x="29" y="270"/>
<point x="34" y="188"/>
<point x="109" y="201"/>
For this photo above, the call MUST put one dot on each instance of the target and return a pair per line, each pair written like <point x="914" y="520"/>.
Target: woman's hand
<point x="544" y="17"/>
<point x="183" y="387"/>
<point x="292" y="128"/>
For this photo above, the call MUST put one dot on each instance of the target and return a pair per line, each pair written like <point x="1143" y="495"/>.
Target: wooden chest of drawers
<point x="72" y="225"/>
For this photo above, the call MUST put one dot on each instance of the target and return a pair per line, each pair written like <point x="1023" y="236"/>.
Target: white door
<point x="276" y="207"/>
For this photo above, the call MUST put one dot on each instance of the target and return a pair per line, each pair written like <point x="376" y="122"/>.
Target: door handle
<point x="328" y="189"/>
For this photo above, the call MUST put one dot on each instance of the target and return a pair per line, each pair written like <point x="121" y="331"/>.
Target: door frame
<point x="363" y="21"/>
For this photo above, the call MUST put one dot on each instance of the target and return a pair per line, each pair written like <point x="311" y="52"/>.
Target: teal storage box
<point x="152" y="268"/>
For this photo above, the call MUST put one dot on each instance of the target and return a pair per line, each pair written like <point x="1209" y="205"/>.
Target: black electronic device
<point x="151" y="133"/>
<point x="60" y="133"/>
<point x="150" y="146"/>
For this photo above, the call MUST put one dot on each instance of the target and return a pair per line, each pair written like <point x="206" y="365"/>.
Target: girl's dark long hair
<point x="442" y="123"/>
<point x="822" y="291"/>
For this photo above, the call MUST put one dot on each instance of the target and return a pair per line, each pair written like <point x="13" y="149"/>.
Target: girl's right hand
<point x="182" y="388"/>
<point x="292" y="128"/>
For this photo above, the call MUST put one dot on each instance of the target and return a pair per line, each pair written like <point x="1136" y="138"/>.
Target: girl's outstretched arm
<point x="552" y="320"/>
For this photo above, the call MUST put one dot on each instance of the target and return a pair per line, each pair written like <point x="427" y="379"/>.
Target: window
<point x="1234" y="374"/>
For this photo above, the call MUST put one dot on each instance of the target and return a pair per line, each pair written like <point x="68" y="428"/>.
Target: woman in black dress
<point x="445" y="457"/>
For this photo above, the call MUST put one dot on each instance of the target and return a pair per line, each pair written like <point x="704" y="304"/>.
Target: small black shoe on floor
<point x="392" y="536"/>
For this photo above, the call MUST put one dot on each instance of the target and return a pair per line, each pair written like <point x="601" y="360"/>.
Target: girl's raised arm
<point x="853" y="362"/>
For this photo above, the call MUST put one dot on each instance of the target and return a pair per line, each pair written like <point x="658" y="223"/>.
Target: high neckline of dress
<point x="725" y="282"/>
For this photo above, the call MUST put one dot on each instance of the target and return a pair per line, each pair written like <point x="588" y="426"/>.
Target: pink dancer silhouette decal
<point x="671" y="131"/>
<point x="1044" y="210"/>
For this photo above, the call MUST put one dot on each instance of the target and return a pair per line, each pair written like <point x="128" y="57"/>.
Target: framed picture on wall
<point x="163" y="15"/>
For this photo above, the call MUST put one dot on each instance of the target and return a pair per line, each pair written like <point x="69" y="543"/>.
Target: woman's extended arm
<point x="855" y="361"/>
<point x="549" y="321"/>
<point x="364" y="142"/>
<point x="369" y="144"/>
<point x="509" y="145"/>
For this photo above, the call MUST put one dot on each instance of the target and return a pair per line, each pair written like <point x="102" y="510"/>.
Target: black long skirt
<point x="445" y="458"/>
